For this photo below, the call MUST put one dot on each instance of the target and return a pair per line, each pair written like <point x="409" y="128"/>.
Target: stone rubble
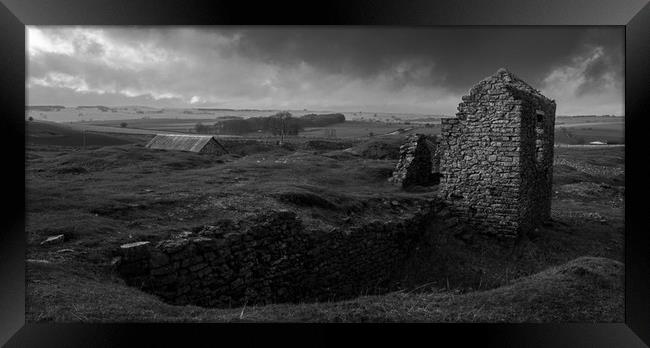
<point x="57" y="239"/>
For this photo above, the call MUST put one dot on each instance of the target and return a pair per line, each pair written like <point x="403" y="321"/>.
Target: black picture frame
<point x="633" y="15"/>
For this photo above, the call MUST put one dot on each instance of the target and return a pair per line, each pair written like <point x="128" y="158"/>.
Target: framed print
<point x="185" y="173"/>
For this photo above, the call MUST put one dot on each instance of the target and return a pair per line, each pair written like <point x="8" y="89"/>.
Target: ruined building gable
<point x="497" y="155"/>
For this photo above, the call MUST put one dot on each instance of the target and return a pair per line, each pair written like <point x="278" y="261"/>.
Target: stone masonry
<point x="418" y="162"/>
<point x="274" y="259"/>
<point x="497" y="156"/>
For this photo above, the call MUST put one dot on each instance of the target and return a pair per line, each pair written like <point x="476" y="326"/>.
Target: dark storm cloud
<point x="369" y="68"/>
<point x="460" y="55"/>
<point x="599" y="72"/>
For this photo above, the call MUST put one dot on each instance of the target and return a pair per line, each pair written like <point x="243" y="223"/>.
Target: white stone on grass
<point x="54" y="239"/>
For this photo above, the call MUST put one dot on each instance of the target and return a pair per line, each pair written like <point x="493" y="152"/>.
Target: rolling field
<point x="358" y="125"/>
<point x="609" y="133"/>
<point x="359" y="129"/>
<point x="102" y="197"/>
<point x="570" y="134"/>
<point x="51" y="133"/>
<point x="345" y="130"/>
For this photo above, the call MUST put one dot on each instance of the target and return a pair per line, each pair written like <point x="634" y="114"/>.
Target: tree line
<point x="281" y="123"/>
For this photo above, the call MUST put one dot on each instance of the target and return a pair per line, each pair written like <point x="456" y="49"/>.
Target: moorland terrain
<point x="113" y="191"/>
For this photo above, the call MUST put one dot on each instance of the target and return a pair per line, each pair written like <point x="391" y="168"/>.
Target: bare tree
<point x="281" y="124"/>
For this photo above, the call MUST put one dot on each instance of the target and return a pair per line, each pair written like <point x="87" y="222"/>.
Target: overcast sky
<point x="380" y="69"/>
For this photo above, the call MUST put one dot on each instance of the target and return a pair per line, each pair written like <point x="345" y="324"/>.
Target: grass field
<point x="559" y="294"/>
<point x="51" y="133"/>
<point x="569" y="130"/>
<point x="346" y="130"/>
<point x="102" y="197"/>
<point x="583" y="130"/>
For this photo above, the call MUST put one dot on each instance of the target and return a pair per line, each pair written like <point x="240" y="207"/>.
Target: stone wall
<point x="497" y="156"/>
<point x="214" y="147"/>
<point x="274" y="259"/>
<point x="536" y="161"/>
<point x="418" y="162"/>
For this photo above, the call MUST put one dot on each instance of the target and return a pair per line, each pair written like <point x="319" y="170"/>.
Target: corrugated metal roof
<point x="193" y="143"/>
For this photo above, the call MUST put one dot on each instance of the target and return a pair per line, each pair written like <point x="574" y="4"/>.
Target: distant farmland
<point x="582" y="130"/>
<point x="347" y="129"/>
<point x="569" y="130"/>
<point x="145" y="121"/>
<point x="50" y="133"/>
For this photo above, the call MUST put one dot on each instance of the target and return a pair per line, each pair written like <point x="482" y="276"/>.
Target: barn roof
<point x="181" y="142"/>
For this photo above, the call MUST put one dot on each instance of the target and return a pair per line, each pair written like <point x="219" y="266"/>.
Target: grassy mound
<point x="306" y="199"/>
<point x="124" y="156"/>
<point x="586" y="289"/>
<point x="324" y="145"/>
<point x="309" y="197"/>
<point x="250" y="147"/>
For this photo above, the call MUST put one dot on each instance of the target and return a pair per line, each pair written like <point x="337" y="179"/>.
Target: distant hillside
<point x="322" y="120"/>
<point x="98" y="107"/>
<point x="254" y="124"/>
<point x="51" y="133"/>
<point x="44" y="107"/>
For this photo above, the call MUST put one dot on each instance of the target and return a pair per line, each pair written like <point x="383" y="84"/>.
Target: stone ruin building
<point x="497" y="156"/>
<point x="419" y="162"/>
<point x="494" y="159"/>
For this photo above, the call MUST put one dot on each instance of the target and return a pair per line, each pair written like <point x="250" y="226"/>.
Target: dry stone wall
<point x="274" y="259"/>
<point x="213" y="147"/>
<point x="497" y="156"/>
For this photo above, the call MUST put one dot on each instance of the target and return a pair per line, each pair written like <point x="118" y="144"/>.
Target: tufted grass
<point x="103" y="197"/>
<point x="586" y="289"/>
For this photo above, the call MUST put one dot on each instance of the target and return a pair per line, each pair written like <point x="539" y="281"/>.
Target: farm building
<point x="182" y="142"/>
<point x="497" y="156"/>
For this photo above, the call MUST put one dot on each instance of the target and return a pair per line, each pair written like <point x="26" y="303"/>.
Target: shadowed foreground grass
<point x="102" y="197"/>
<point x="587" y="289"/>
